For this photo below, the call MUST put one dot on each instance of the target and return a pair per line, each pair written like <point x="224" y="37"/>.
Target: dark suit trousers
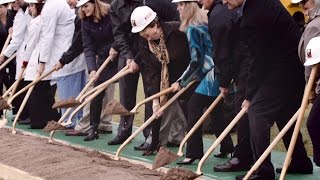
<point x="313" y="125"/>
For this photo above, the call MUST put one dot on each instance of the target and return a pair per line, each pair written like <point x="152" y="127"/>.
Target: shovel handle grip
<point x="152" y="118"/>
<point x="199" y="122"/>
<point x="159" y="94"/>
<point x="31" y="84"/>
<point x="5" y="63"/>
<point x="220" y="138"/>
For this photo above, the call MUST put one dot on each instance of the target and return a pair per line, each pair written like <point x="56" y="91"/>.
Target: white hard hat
<point x="6" y="1"/>
<point x="141" y="17"/>
<point x="313" y="52"/>
<point x="176" y="1"/>
<point x="82" y="2"/>
<point x="31" y="1"/>
<point x="295" y="1"/>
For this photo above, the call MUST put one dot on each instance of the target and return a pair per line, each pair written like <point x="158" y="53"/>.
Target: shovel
<point x="114" y="107"/>
<point x="152" y="118"/>
<point x="25" y="88"/>
<point x="272" y="145"/>
<point x="164" y="153"/>
<point x="304" y="105"/>
<point x="4" y="64"/>
<point x="116" y="77"/>
<point x="220" y="138"/>
<point x="72" y="102"/>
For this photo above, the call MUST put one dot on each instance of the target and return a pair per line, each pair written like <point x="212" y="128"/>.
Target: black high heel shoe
<point x="187" y="162"/>
<point x="151" y="149"/>
<point x="93" y="134"/>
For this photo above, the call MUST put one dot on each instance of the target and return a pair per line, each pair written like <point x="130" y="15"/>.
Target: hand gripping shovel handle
<point x="107" y="83"/>
<point x="103" y="85"/>
<point x="304" y="105"/>
<point x="152" y="118"/>
<point x="6" y="43"/>
<point x="199" y="122"/>
<point x="220" y="138"/>
<point x="272" y="145"/>
<point x="159" y="94"/>
<point x="31" y="84"/>
<point x="4" y="64"/>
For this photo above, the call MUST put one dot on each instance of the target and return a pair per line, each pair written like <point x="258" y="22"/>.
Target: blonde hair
<point x="192" y="15"/>
<point x="101" y="9"/>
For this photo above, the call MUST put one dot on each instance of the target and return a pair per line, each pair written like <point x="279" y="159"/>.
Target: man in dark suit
<point x="275" y="79"/>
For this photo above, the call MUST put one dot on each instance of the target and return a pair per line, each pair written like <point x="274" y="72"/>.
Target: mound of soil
<point x="179" y="174"/>
<point x="59" y="162"/>
<point x="164" y="157"/>
<point x="114" y="107"/>
<point x="71" y="102"/>
<point x="52" y="125"/>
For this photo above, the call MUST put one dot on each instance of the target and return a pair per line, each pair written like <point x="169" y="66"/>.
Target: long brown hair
<point x="192" y="15"/>
<point x="101" y="9"/>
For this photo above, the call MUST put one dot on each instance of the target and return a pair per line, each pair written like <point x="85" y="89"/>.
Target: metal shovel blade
<point x="179" y="173"/>
<point x="164" y="157"/>
<point x="4" y="104"/>
<point x="52" y="125"/>
<point x="114" y="107"/>
<point x="71" y="102"/>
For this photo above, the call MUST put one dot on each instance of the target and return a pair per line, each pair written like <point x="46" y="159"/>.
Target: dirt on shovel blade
<point x="4" y="104"/>
<point x="52" y="125"/>
<point x="163" y="157"/>
<point x="114" y="107"/>
<point x="71" y="102"/>
<point x="179" y="174"/>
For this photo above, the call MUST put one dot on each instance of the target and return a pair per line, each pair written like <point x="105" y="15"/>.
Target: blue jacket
<point x="201" y="66"/>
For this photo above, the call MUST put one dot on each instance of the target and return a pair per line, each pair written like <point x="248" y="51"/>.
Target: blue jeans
<point x="68" y="86"/>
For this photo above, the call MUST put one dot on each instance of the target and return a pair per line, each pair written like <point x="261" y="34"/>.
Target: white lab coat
<point x="56" y="36"/>
<point x="19" y="38"/>
<point x="32" y="51"/>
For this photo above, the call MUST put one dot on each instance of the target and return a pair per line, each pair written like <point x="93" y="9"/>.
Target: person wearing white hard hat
<point x="17" y="44"/>
<point x="163" y="64"/>
<point x="129" y="54"/>
<point x="275" y="82"/>
<point x="194" y="22"/>
<point x="98" y="44"/>
<point x="312" y="57"/>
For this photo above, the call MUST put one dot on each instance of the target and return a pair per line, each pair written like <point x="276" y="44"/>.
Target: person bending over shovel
<point x="194" y="22"/>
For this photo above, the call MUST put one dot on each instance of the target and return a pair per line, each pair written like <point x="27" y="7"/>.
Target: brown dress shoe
<point x="73" y="132"/>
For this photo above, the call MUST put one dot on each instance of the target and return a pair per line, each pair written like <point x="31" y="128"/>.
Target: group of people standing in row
<point x="253" y="44"/>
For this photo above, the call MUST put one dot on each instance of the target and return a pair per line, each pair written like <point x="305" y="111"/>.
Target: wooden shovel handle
<point x="152" y="118"/>
<point x="4" y="64"/>
<point x="31" y="84"/>
<point x="159" y="94"/>
<point x="6" y="43"/>
<point x="199" y="122"/>
<point x="304" y="105"/>
<point x="220" y="138"/>
<point x="272" y="145"/>
<point x="18" y="81"/>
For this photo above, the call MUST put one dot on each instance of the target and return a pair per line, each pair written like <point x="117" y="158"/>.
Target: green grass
<point x="274" y="130"/>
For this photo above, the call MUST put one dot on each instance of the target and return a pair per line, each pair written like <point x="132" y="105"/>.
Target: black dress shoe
<point x="187" y="162"/>
<point x="296" y="171"/>
<point x="117" y="140"/>
<point x="255" y="177"/>
<point x="142" y="147"/>
<point x="233" y="164"/>
<point x="151" y="149"/>
<point x="100" y="131"/>
<point x="170" y="144"/>
<point x="93" y="134"/>
<point x="24" y="122"/>
<point x="221" y="155"/>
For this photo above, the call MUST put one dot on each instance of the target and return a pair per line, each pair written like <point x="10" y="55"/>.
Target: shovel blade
<point x="71" y="102"/>
<point x="52" y="125"/>
<point x="164" y="157"/>
<point x="179" y="173"/>
<point x="4" y="104"/>
<point x="114" y="107"/>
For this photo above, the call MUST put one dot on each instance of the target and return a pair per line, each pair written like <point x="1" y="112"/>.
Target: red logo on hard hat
<point x="309" y="55"/>
<point x="133" y="22"/>
<point x="147" y="16"/>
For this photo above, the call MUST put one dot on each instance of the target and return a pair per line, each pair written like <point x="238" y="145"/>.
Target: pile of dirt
<point x="179" y="174"/>
<point x="59" y="162"/>
<point x="114" y="107"/>
<point x="71" y="102"/>
<point x="52" y="125"/>
<point x="4" y="104"/>
<point x="163" y="157"/>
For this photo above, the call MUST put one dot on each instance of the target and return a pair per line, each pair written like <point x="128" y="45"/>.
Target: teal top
<point x="201" y="66"/>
